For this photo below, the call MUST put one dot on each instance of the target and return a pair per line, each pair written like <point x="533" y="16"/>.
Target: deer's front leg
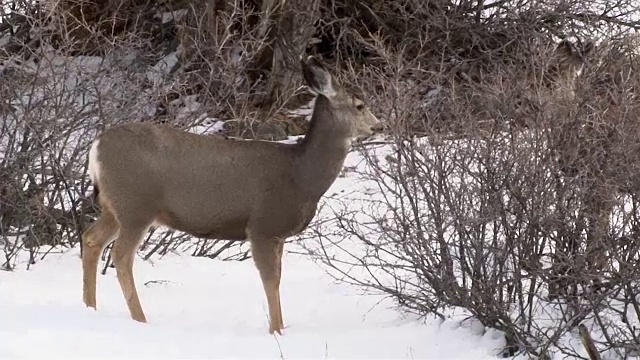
<point x="267" y="254"/>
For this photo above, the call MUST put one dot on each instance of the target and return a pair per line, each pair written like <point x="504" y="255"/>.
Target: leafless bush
<point x="55" y="99"/>
<point x="71" y="68"/>
<point x="517" y="203"/>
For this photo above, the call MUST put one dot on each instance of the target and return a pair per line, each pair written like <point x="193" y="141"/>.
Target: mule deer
<point x="599" y="152"/>
<point x="214" y="188"/>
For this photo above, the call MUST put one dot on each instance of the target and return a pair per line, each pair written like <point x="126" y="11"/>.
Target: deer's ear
<point x="565" y="49"/>
<point x="317" y="77"/>
<point x="588" y="47"/>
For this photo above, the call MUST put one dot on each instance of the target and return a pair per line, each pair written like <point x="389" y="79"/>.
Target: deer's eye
<point x="360" y="107"/>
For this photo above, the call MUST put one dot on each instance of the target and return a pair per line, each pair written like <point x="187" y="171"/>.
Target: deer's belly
<point x="229" y="228"/>
<point x="307" y="212"/>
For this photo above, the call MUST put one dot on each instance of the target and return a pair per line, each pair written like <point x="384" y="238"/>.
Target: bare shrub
<point x="71" y="68"/>
<point x="517" y="203"/>
<point x="54" y="103"/>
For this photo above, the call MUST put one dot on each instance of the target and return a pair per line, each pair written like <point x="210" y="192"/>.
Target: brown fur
<point x="210" y="187"/>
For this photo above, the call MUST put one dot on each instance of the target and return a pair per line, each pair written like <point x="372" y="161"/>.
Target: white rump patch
<point x="94" y="165"/>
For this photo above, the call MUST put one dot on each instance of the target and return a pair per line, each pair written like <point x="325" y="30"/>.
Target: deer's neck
<point x="323" y="149"/>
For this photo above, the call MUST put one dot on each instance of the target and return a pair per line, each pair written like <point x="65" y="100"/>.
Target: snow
<point x="163" y="68"/>
<point x="203" y="308"/>
<point x="207" y="125"/>
<point x="173" y="15"/>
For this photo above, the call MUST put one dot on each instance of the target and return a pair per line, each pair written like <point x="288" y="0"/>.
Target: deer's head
<point x="348" y="107"/>
<point x="566" y="65"/>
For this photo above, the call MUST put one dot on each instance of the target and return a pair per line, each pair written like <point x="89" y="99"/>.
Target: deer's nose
<point x="379" y="127"/>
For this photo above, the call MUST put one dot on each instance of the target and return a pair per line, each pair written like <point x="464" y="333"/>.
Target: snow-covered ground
<point x="202" y="308"/>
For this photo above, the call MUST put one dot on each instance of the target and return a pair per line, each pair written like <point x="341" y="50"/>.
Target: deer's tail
<point x="96" y="193"/>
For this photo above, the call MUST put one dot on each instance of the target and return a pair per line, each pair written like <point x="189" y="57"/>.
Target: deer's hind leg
<point x="267" y="254"/>
<point x="94" y="240"/>
<point x="598" y="244"/>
